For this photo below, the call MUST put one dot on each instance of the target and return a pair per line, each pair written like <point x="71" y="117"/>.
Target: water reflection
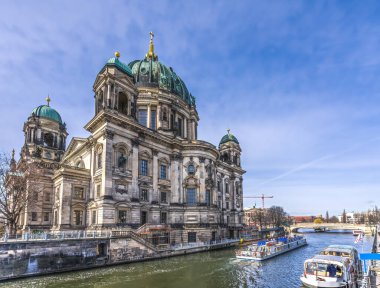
<point x="214" y="269"/>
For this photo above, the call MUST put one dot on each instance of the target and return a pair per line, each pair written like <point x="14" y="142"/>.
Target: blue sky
<point x="296" y="81"/>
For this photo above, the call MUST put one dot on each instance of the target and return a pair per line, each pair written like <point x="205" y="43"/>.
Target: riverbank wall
<point x="20" y="259"/>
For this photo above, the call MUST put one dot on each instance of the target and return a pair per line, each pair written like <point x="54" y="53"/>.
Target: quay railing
<point x="203" y="244"/>
<point x="56" y="236"/>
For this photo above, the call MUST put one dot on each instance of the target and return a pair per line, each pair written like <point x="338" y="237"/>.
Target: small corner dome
<point x="227" y="138"/>
<point x="45" y="111"/>
<point x="114" y="61"/>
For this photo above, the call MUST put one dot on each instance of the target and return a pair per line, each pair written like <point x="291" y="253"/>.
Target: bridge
<point x="332" y="226"/>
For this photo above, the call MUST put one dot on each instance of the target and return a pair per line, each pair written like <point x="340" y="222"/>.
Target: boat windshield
<point x="323" y="269"/>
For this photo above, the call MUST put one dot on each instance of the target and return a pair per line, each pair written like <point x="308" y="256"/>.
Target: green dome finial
<point x="228" y="137"/>
<point x="45" y="111"/>
<point x="48" y="100"/>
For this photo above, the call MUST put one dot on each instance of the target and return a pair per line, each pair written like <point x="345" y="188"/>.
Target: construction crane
<point x="262" y="198"/>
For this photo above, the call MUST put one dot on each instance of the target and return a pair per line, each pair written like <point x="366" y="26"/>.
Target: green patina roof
<point x="114" y="61"/>
<point x="228" y="137"/>
<point x="46" y="111"/>
<point x="152" y="73"/>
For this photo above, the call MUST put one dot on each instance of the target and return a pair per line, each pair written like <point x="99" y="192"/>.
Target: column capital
<point x="135" y="142"/>
<point x="108" y="134"/>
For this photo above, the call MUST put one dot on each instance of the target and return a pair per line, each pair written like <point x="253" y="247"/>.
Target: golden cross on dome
<point x="48" y="100"/>
<point x="150" y="54"/>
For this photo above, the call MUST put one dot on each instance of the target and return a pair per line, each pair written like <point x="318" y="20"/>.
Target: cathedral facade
<point x="142" y="166"/>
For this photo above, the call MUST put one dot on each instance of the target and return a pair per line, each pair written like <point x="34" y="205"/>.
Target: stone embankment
<point x="27" y="257"/>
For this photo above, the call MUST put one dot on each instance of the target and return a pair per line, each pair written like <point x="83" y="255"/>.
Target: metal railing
<point x="203" y="244"/>
<point x="56" y="236"/>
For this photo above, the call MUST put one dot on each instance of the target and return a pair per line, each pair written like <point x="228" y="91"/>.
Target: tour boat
<point x="268" y="249"/>
<point x="327" y="271"/>
<point x="357" y="232"/>
<point x="347" y="252"/>
<point x="335" y="266"/>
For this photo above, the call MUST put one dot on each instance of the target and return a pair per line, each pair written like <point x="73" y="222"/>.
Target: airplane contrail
<point x="311" y="163"/>
<point x="299" y="168"/>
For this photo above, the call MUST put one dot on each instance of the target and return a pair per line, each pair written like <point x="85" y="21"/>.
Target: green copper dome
<point x="152" y="73"/>
<point x="228" y="137"/>
<point x="114" y="61"/>
<point x="47" y="112"/>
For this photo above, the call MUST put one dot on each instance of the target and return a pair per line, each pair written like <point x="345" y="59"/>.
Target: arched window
<point x="227" y="187"/>
<point x="48" y="139"/>
<point x="123" y="104"/>
<point x="191" y="196"/>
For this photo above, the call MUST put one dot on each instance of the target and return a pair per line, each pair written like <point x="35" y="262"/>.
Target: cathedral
<point x="143" y="165"/>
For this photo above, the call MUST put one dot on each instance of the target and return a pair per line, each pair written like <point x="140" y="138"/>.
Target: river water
<point x="209" y="270"/>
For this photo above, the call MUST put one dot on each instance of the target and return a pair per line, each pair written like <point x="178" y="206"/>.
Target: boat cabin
<point x="327" y="268"/>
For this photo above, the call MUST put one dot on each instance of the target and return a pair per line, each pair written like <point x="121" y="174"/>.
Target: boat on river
<point x="357" y="232"/>
<point x="268" y="249"/>
<point x="335" y="266"/>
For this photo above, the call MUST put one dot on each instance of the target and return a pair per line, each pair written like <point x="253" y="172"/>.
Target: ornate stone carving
<point x="154" y="152"/>
<point x="202" y="159"/>
<point x="135" y="142"/>
<point x="176" y="157"/>
<point x="108" y="134"/>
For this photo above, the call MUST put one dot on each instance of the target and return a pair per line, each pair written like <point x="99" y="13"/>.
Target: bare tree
<point x="277" y="216"/>
<point x="258" y="217"/>
<point x="20" y="187"/>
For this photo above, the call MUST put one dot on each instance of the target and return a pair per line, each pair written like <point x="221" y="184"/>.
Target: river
<point x="211" y="269"/>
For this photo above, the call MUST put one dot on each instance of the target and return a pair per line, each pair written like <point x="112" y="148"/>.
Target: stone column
<point x="233" y="194"/>
<point x="104" y="96"/>
<point x="148" y="117"/>
<point x="155" y="175"/>
<point x="158" y="121"/>
<point x="174" y="179"/>
<point x="114" y="97"/>
<point x="32" y="135"/>
<point x="202" y="186"/>
<point x="107" y="162"/>
<point x="92" y="167"/>
<point x="192" y="130"/>
<point x="108" y="95"/>
<point x="135" y="168"/>
<point x="184" y="127"/>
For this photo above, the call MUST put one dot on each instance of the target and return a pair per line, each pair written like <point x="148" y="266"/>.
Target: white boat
<point x="346" y="251"/>
<point x="357" y="232"/>
<point x="268" y="249"/>
<point x="335" y="266"/>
